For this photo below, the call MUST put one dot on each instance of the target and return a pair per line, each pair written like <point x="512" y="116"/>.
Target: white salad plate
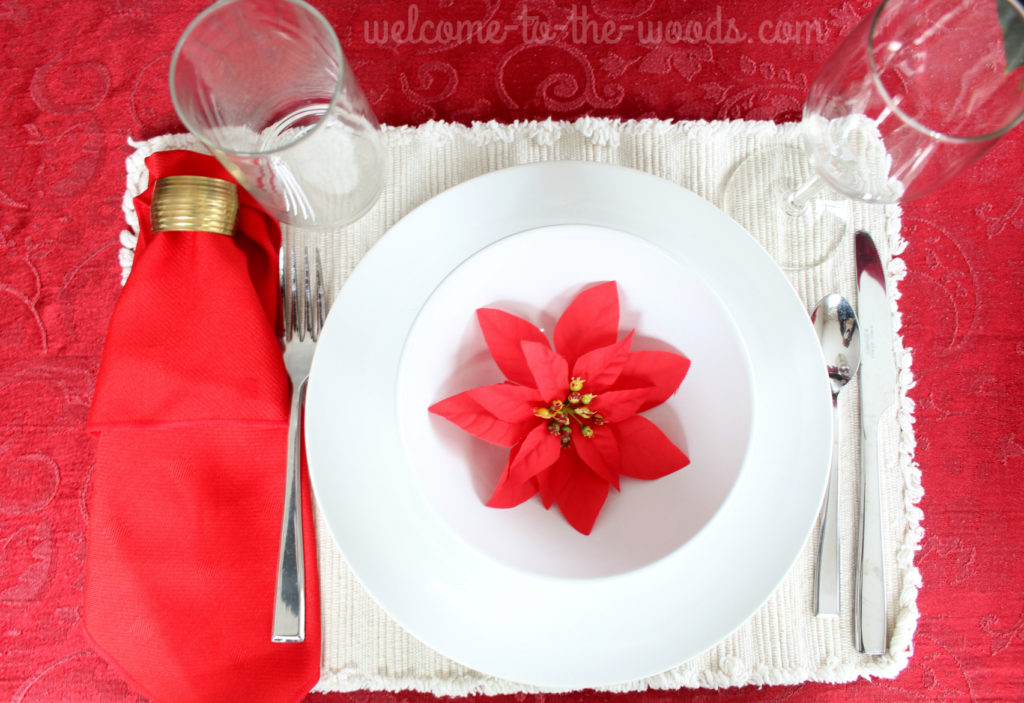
<point x="673" y="565"/>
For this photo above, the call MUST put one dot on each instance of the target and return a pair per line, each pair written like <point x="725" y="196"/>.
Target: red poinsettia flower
<point x="570" y="414"/>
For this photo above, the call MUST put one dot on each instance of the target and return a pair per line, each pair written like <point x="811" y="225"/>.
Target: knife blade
<point x="877" y="394"/>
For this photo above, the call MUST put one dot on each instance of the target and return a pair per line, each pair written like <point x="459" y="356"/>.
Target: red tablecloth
<point x="78" y="79"/>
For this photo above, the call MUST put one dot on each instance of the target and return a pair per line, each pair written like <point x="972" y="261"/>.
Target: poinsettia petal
<point x="600" y="367"/>
<point x="590" y="321"/>
<point x="615" y="406"/>
<point x="510" y="493"/>
<point x="466" y="412"/>
<point x="552" y="481"/>
<point x="504" y="334"/>
<point x="601" y="453"/>
<point x="539" y="450"/>
<point x="550" y="371"/>
<point x="508" y="401"/>
<point x="660" y="369"/>
<point x="645" y="450"/>
<point x="582" y="498"/>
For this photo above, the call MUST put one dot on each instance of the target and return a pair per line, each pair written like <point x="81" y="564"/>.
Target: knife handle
<point x="826" y="577"/>
<point x="869" y="619"/>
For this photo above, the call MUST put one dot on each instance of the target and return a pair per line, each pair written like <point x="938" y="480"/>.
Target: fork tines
<point x="304" y="294"/>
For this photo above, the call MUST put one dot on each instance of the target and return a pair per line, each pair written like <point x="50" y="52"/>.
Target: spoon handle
<point x="826" y="582"/>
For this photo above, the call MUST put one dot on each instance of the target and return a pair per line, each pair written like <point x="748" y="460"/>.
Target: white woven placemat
<point x="783" y="643"/>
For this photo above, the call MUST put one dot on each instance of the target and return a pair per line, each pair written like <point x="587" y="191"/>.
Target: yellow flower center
<point x="575" y="408"/>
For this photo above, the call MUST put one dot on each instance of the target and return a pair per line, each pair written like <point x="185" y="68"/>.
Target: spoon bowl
<point x="836" y="326"/>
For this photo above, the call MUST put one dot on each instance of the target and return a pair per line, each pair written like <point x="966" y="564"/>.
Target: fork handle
<point x="290" y="592"/>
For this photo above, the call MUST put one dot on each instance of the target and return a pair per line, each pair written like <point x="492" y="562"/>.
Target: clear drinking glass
<point x="265" y="85"/>
<point x="918" y="91"/>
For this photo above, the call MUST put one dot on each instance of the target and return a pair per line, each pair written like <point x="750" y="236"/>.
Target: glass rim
<point x="335" y="95"/>
<point x="916" y="124"/>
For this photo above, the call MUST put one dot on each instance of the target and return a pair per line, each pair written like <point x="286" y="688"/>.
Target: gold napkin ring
<point x="194" y="204"/>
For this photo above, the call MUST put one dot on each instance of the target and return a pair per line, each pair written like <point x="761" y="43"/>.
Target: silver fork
<point x="303" y="304"/>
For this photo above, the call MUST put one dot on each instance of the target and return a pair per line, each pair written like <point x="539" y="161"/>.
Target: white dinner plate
<point x="516" y="593"/>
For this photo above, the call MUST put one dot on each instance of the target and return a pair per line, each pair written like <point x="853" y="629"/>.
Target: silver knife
<point x="877" y="394"/>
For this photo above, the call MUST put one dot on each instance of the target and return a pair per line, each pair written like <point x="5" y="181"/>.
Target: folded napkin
<point x="191" y="410"/>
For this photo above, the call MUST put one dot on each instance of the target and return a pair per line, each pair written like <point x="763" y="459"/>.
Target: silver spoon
<point x="836" y="326"/>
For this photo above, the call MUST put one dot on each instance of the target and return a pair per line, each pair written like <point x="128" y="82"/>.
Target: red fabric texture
<point x="191" y="407"/>
<point x="78" y="79"/>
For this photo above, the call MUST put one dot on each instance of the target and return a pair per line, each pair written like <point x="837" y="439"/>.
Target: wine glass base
<point x="757" y="195"/>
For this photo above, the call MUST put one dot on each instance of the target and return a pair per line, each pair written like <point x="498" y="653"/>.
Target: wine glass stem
<point x="796" y="201"/>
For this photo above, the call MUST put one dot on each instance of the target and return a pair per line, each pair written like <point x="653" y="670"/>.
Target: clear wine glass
<point x="918" y="91"/>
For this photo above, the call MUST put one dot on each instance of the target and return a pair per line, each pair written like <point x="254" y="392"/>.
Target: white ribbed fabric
<point x="782" y="643"/>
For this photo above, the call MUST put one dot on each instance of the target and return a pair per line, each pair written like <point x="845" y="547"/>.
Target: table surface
<point x="79" y="79"/>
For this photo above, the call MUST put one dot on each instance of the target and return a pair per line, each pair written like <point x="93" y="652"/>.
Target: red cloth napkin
<point x="191" y="410"/>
